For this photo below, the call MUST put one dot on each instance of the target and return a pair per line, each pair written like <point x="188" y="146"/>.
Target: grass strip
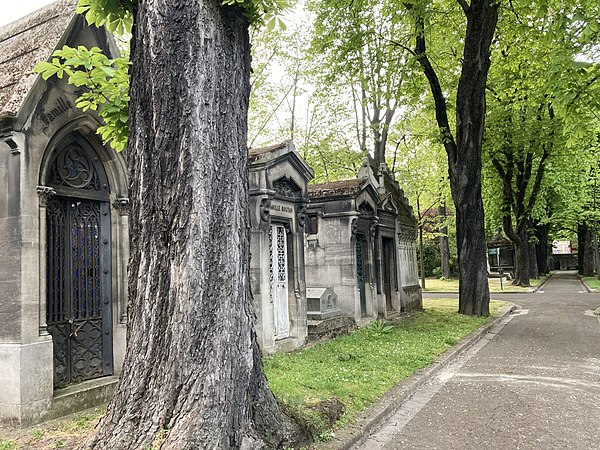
<point x="359" y="368"/>
<point x="451" y="285"/>
<point x="592" y="282"/>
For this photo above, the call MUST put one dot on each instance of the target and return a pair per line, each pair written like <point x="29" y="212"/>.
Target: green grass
<point x="68" y="432"/>
<point x="451" y="285"/>
<point x="8" y="445"/>
<point x="592" y="282"/>
<point x="359" y="368"/>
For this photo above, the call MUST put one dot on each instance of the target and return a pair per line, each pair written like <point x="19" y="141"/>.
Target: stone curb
<point x="585" y="285"/>
<point x="541" y="285"/>
<point x="375" y="415"/>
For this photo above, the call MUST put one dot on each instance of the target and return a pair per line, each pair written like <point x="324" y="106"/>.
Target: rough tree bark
<point x="519" y="238"/>
<point x="192" y="376"/>
<point x="464" y="153"/>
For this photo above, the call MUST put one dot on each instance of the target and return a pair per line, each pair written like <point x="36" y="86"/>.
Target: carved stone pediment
<point x="366" y="209"/>
<point x="286" y="188"/>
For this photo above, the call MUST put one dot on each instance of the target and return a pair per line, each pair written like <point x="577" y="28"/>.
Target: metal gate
<point x="78" y="303"/>
<point x="279" y="280"/>
<point x="389" y="271"/>
<point x="78" y="278"/>
<point x="361" y="249"/>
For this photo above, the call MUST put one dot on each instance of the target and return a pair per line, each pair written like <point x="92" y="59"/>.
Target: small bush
<point x="380" y="328"/>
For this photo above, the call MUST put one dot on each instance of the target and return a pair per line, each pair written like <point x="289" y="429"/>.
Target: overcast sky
<point x="12" y="10"/>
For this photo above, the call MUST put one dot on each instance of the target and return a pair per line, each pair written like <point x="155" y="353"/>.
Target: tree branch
<point x="465" y="7"/>
<point x="441" y="113"/>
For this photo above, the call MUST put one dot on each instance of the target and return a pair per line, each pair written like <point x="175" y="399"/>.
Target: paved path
<point x="533" y="382"/>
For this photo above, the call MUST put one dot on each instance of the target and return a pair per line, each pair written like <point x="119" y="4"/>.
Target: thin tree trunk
<point x="421" y="247"/>
<point x="192" y="376"/>
<point x="464" y="153"/>
<point x="541" y="233"/>
<point x="585" y="252"/>
<point x="521" y="258"/>
<point x="533" y="267"/>
<point x="444" y="245"/>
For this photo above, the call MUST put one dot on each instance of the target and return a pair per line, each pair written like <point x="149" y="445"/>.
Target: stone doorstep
<point x="81" y="396"/>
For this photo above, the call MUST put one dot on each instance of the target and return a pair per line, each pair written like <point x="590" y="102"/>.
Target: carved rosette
<point x="45" y="193"/>
<point x="121" y="205"/>
<point x="264" y="210"/>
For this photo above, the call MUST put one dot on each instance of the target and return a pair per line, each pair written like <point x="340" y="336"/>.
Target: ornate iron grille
<point x="75" y="314"/>
<point x="56" y="270"/>
<point x="271" y="276"/>
<point x="360" y="258"/>
<point x="281" y="254"/>
<point x="73" y="168"/>
<point x="360" y="271"/>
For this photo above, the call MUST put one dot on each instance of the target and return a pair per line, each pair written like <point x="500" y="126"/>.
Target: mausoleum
<point x="278" y="202"/>
<point x="63" y="228"/>
<point x="361" y="243"/>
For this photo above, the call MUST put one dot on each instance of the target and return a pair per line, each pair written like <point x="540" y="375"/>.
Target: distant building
<point x="564" y="255"/>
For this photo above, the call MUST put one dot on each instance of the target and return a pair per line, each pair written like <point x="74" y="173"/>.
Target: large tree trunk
<point x="192" y="376"/>
<point x="444" y="245"/>
<point x="464" y="153"/>
<point x="465" y="165"/>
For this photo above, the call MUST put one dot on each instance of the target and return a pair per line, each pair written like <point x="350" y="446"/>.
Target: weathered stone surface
<point x="373" y="210"/>
<point x="333" y="188"/>
<point x="330" y="328"/>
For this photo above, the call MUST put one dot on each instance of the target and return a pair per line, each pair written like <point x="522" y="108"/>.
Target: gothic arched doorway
<point x="78" y="264"/>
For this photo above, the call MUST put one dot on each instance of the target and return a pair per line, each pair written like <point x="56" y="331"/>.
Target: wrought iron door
<point x="78" y="289"/>
<point x="389" y="271"/>
<point x="279" y="280"/>
<point x="361" y="250"/>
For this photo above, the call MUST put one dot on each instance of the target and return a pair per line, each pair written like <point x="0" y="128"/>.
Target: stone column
<point x="121" y="206"/>
<point x="44" y="195"/>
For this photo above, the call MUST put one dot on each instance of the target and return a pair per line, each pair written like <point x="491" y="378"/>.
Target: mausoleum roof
<point x="254" y="153"/>
<point x="23" y="44"/>
<point x="335" y="188"/>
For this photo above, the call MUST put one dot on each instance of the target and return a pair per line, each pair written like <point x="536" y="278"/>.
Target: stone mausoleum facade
<point x="278" y="202"/>
<point x="63" y="228"/>
<point x="361" y="243"/>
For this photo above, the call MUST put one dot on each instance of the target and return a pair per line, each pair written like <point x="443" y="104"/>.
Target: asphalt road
<point x="531" y="383"/>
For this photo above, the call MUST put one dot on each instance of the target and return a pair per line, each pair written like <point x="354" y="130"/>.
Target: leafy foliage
<point x="542" y="114"/>
<point x="116" y="15"/>
<point x="105" y="84"/>
<point x="105" y="81"/>
<point x="353" y="51"/>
